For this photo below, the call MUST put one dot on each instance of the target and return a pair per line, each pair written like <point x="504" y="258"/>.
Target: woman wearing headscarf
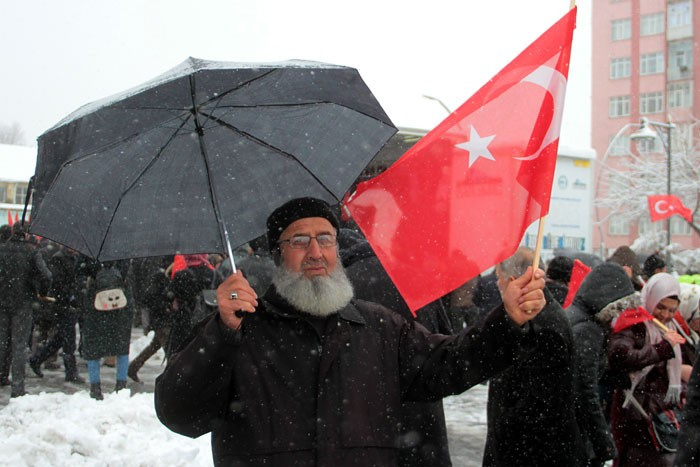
<point x="652" y="358"/>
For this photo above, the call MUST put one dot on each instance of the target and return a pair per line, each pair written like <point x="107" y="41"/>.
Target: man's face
<point x="313" y="260"/>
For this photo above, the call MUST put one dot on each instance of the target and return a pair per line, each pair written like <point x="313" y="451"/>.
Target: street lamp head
<point x="645" y="132"/>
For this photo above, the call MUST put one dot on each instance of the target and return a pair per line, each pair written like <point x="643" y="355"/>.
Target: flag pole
<point x="538" y="249"/>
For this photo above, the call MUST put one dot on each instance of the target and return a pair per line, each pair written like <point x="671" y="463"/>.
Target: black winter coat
<point x="688" y="454"/>
<point x="23" y="273"/>
<point x="106" y="332"/>
<point x="605" y="284"/>
<point x="277" y="393"/>
<point x="423" y="433"/>
<point x="531" y="419"/>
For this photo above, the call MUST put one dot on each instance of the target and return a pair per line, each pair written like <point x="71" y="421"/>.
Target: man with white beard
<point x="307" y="375"/>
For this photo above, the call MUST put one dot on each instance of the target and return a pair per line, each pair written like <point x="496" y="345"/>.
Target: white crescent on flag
<point x="555" y="83"/>
<point x="659" y="209"/>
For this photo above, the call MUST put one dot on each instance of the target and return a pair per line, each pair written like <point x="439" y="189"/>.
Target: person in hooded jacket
<point x="422" y="439"/>
<point x="106" y="331"/>
<point x="24" y="276"/>
<point x="590" y="320"/>
<point x="653" y="359"/>
<point x="530" y="410"/>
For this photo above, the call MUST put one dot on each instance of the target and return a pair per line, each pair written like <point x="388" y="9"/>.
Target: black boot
<point x="96" y="391"/>
<point x="71" y="366"/>
<point x="36" y="367"/>
<point x="120" y="385"/>
<point x="132" y="372"/>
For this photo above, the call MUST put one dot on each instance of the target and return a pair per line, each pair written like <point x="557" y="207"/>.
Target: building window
<point x="644" y="225"/>
<point x="652" y="24"/>
<point x="650" y="64"/>
<point x="20" y="194"/>
<point x="679" y="226"/>
<point x="680" y="59"/>
<point x="619" y="106"/>
<point x="619" y="146"/>
<point x="679" y="14"/>
<point x="621" y="29"/>
<point x="618" y="225"/>
<point x="651" y="103"/>
<point x="3" y="194"/>
<point x="679" y="95"/>
<point x="620" y="67"/>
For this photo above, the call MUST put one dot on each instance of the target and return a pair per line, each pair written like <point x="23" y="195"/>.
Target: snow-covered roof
<point x="17" y="163"/>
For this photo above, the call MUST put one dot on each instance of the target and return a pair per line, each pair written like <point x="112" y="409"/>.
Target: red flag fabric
<point x="631" y="317"/>
<point x="9" y="219"/>
<point x="664" y="206"/>
<point x="179" y="264"/>
<point x="16" y="217"/>
<point x="460" y="200"/>
<point x="578" y="274"/>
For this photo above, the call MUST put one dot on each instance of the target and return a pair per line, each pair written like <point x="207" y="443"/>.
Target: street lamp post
<point x="648" y="131"/>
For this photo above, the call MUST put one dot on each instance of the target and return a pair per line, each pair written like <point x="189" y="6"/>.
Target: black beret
<point x="293" y="210"/>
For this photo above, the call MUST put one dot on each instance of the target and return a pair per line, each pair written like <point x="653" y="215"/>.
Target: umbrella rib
<point x="137" y="178"/>
<point x="272" y="148"/>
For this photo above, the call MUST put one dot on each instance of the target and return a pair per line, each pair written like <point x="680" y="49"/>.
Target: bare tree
<point x="12" y="134"/>
<point x="626" y="180"/>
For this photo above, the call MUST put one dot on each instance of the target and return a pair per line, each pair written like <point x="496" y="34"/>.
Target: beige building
<point x="17" y="164"/>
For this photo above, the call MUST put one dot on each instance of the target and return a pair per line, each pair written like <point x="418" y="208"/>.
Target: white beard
<point x="319" y="296"/>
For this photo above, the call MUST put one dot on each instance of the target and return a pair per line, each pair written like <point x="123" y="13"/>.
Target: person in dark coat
<point x="62" y="264"/>
<point x="106" y="332"/>
<point x="24" y="277"/>
<point x="530" y="412"/>
<point x="557" y="277"/>
<point x="185" y="287"/>
<point x="423" y="433"/>
<point x="307" y="375"/>
<point x="688" y="454"/>
<point x="157" y="316"/>
<point x="590" y="317"/>
<point x="486" y="295"/>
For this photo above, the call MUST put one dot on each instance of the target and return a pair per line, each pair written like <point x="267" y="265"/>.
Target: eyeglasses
<point x="302" y="242"/>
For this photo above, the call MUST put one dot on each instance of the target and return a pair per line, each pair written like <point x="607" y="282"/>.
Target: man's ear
<point x="628" y="271"/>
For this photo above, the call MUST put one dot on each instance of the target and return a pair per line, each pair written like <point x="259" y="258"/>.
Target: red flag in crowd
<point x="460" y="200"/>
<point x="578" y="274"/>
<point x="9" y="219"/>
<point x="663" y="206"/>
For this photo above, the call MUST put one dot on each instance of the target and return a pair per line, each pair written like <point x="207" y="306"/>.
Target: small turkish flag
<point x="578" y="274"/>
<point x="663" y="206"/>
<point x="460" y="200"/>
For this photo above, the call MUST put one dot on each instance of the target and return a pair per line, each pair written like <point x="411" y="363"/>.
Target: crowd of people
<point x="313" y="319"/>
<point x="57" y="302"/>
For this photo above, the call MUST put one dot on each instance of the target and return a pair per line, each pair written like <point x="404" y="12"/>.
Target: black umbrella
<point x="202" y="154"/>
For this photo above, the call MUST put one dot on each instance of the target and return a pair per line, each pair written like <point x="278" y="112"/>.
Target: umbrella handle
<point x="229" y="251"/>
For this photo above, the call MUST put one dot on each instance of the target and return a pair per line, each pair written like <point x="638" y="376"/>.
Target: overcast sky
<point x="59" y="55"/>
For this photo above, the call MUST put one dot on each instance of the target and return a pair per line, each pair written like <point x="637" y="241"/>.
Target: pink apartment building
<point x="645" y="63"/>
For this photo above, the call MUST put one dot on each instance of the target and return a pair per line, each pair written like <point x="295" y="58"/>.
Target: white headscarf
<point x="658" y="287"/>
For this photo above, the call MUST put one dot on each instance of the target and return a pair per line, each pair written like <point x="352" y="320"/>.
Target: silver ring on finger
<point x="234" y="295"/>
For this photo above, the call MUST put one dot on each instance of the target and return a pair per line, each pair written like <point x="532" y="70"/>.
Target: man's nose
<point x="314" y="249"/>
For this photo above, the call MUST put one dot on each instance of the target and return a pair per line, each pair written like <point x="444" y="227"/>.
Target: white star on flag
<point x="477" y="146"/>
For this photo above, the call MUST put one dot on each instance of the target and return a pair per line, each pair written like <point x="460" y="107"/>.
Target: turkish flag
<point x="663" y="206"/>
<point x="631" y="317"/>
<point x="460" y="200"/>
<point x="578" y="274"/>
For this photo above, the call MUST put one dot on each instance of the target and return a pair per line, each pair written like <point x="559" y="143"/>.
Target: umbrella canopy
<point x="202" y="153"/>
